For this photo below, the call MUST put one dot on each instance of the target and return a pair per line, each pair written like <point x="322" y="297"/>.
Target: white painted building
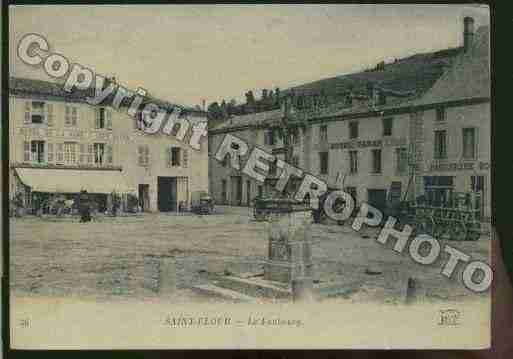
<point x="60" y="144"/>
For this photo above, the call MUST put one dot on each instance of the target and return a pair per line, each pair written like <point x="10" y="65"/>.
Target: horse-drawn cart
<point x="458" y="219"/>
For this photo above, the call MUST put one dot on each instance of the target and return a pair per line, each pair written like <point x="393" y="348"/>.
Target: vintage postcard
<point x="249" y="176"/>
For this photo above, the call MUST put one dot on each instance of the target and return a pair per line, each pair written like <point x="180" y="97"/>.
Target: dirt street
<point x="106" y="258"/>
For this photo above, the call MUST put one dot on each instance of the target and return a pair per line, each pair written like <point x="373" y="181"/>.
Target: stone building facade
<point x="60" y="144"/>
<point x="385" y="143"/>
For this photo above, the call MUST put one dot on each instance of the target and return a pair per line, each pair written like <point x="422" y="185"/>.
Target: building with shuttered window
<point x="418" y="126"/>
<point x="60" y="145"/>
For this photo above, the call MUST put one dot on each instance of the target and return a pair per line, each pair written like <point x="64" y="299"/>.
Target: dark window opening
<point x="387" y="126"/>
<point x="353" y="130"/>
<point x="175" y="156"/>
<point x="323" y="158"/>
<point x="376" y="161"/>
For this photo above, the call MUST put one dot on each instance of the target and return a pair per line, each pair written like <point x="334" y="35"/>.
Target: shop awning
<point x="73" y="181"/>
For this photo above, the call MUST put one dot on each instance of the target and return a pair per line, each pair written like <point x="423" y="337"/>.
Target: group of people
<point x="84" y="206"/>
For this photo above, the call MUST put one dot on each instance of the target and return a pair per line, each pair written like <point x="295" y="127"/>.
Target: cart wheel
<point x="473" y="235"/>
<point x="458" y="232"/>
<point x="474" y="232"/>
<point x="439" y="230"/>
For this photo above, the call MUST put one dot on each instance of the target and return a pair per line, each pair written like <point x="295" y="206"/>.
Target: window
<point x="260" y="191"/>
<point x="70" y="116"/>
<point x="50" y="152"/>
<point x="269" y="137"/>
<point x="440" y="144"/>
<point x="138" y="121"/>
<point x="353" y="161"/>
<point x="323" y="133"/>
<point x="34" y="151"/>
<point x="109" y="154"/>
<point x="376" y="161"/>
<point x="82" y="157"/>
<point x="295" y="161"/>
<point x="401" y="161"/>
<point x="440" y="114"/>
<point x="185" y="158"/>
<point x="353" y="130"/>
<point x="90" y="154"/>
<point x="477" y="184"/>
<point x="323" y="159"/>
<point x="295" y="136"/>
<point x="60" y="153"/>
<point x="99" y="153"/>
<point x="103" y="118"/>
<point x="67" y="116"/>
<point x="273" y="167"/>
<point x="38" y="112"/>
<point x="143" y="155"/>
<point x="387" y="126"/>
<point x="175" y="156"/>
<point x="26" y="151"/>
<point x="100" y="120"/>
<point x="70" y="153"/>
<point x="469" y="143"/>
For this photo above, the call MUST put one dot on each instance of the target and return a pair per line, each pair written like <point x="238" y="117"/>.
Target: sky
<point x="189" y="53"/>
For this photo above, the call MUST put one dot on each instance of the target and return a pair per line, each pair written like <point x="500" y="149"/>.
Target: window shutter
<point x="26" y="151"/>
<point x="74" y="116"/>
<point x="476" y="142"/>
<point x="67" y="116"/>
<point x="49" y="114"/>
<point x="60" y="153"/>
<point x="140" y="155"/>
<point x="49" y="150"/>
<point x="108" y="119"/>
<point x="136" y="121"/>
<point x="26" y="119"/>
<point x="109" y="153"/>
<point x="83" y="153"/>
<point x="168" y="156"/>
<point x="185" y="158"/>
<point x="97" y="118"/>
<point x="90" y="149"/>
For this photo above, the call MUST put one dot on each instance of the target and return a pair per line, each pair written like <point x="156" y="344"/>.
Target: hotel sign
<point x="459" y="166"/>
<point x="384" y="142"/>
<point x="77" y="134"/>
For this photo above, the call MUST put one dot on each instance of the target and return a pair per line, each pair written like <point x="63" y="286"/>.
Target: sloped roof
<point x="416" y="73"/>
<point x="24" y="86"/>
<point x="39" y="87"/>
<point x="251" y="119"/>
<point x="469" y="77"/>
<point x="404" y="81"/>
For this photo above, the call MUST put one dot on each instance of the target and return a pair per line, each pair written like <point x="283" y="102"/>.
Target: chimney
<point x="468" y="33"/>
<point x="277" y="95"/>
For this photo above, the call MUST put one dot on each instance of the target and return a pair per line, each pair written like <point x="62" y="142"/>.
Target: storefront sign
<point x="385" y="142"/>
<point x="73" y="134"/>
<point x="459" y="166"/>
